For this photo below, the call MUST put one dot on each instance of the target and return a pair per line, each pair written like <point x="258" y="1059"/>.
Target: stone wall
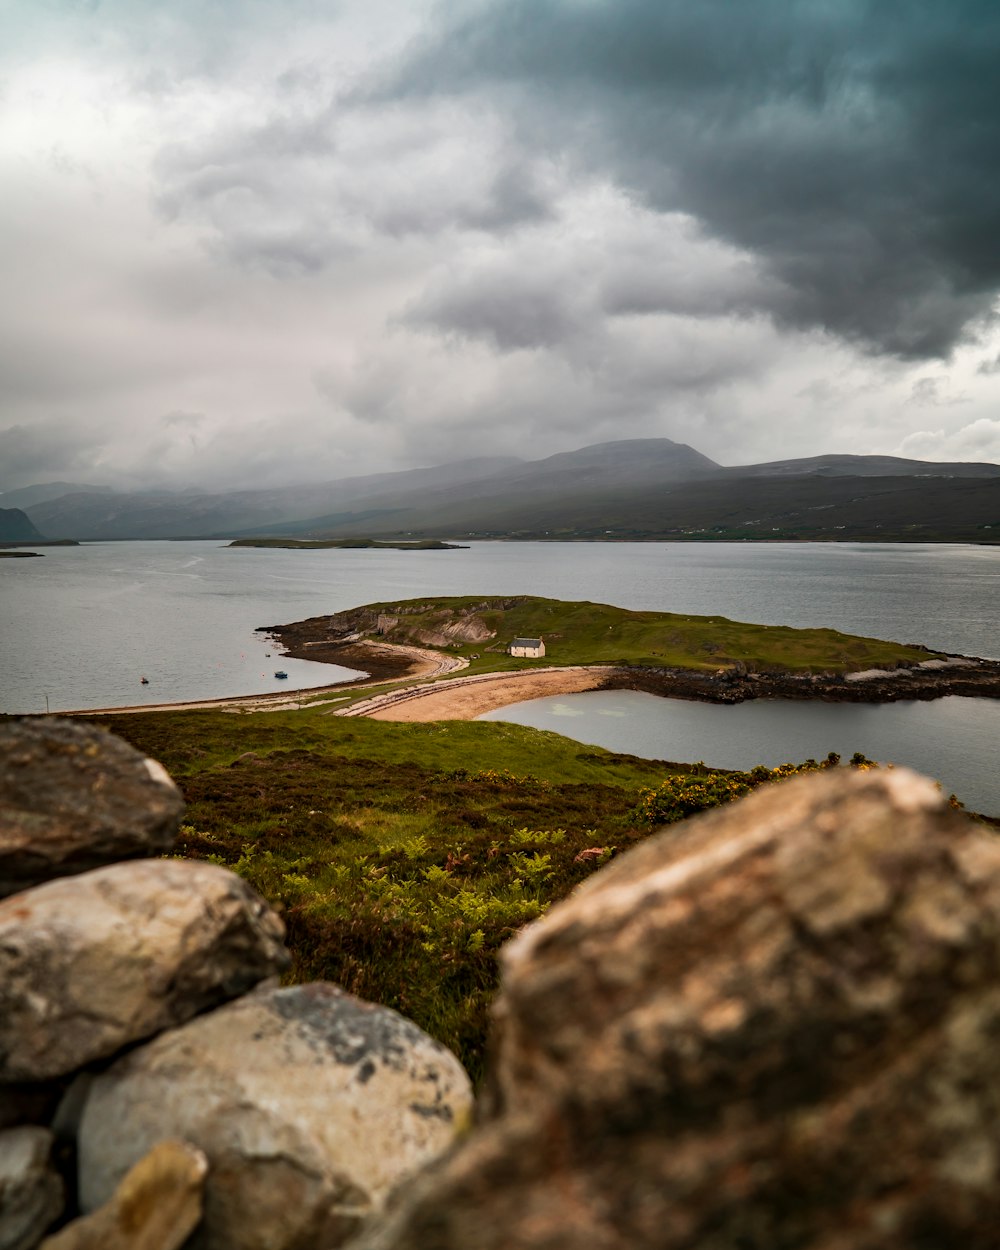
<point x="158" y="1087"/>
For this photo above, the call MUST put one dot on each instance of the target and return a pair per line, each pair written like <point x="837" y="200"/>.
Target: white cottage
<point x="532" y="648"/>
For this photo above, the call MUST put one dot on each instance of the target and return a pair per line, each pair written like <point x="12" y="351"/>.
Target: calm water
<point x="953" y="740"/>
<point x="82" y="624"/>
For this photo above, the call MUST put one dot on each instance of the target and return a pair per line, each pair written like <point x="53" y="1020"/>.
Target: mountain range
<point x="629" y="489"/>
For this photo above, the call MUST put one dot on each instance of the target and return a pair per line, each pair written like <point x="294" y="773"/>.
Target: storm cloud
<point x="246" y="244"/>
<point x="850" y="147"/>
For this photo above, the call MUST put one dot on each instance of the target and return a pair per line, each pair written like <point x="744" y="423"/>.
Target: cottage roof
<point x="526" y="642"/>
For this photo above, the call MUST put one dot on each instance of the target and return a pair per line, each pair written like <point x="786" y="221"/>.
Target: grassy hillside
<point x="403" y="856"/>
<point x="593" y="633"/>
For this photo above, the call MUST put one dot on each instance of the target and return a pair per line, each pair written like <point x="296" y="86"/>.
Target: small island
<point x="19" y="555"/>
<point x="348" y="544"/>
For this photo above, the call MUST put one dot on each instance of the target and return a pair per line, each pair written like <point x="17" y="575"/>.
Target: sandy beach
<point x="465" y="698"/>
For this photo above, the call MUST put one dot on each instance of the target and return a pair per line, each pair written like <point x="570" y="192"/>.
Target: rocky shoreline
<point x="310" y="640"/>
<point x="959" y="675"/>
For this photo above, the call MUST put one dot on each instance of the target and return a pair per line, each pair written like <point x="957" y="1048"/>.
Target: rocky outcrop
<point x="331" y="638"/>
<point x="31" y="1191"/>
<point x="93" y="963"/>
<point x="931" y="679"/>
<point x="156" y="1207"/>
<point x="310" y="1104"/>
<point x="73" y="797"/>
<point x="773" y="1027"/>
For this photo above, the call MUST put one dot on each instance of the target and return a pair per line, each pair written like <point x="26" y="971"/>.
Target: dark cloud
<point x="851" y="147"/>
<point x="406" y="232"/>
<point x="511" y="308"/>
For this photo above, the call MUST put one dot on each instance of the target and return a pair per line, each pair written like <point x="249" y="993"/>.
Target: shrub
<point x="680" y="796"/>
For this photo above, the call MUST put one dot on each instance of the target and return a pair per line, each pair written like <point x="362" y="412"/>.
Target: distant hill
<point x="633" y="488"/>
<point x="803" y="507"/>
<point x="27" y="496"/>
<point x="866" y="466"/>
<point x="231" y="514"/>
<point x="16" y="527"/>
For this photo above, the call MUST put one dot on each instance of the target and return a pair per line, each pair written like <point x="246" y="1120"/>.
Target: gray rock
<point x="156" y="1207"/>
<point x="31" y="1191"/>
<point x="774" y="1026"/>
<point x="93" y="963"/>
<point x="309" y="1104"/>
<point x="74" y="797"/>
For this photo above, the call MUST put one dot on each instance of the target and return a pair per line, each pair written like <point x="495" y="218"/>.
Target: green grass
<point x="596" y="633"/>
<point x="401" y="856"/>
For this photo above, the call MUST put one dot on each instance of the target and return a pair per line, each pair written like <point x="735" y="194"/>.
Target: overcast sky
<point x="250" y="242"/>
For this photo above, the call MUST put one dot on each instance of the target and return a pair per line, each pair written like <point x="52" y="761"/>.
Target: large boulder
<point x="309" y="1104"/>
<point x="90" y="964"/>
<point x="31" y="1191"/>
<point x="74" y="797"/>
<point x="775" y="1026"/>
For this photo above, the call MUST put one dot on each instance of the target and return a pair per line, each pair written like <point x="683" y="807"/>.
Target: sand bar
<point x="465" y="698"/>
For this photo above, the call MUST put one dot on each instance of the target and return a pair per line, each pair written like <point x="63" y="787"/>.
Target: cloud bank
<point x="246" y="246"/>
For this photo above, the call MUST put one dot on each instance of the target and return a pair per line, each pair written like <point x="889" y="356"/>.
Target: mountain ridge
<point x="648" y="488"/>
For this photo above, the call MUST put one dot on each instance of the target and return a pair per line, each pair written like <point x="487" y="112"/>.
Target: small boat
<point x="280" y="673"/>
<point x="144" y="681"/>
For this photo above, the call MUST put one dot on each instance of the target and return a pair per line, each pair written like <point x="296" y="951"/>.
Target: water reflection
<point x="953" y="739"/>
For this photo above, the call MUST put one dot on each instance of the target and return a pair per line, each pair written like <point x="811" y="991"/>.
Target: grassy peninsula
<point x="597" y="633"/>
